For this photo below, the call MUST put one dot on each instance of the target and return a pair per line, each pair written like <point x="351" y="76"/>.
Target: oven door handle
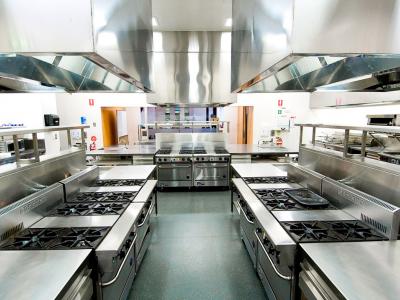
<point x="244" y="214"/>
<point x="148" y="213"/>
<point x="210" y="167"/>
<point x="175" y="167"/>
<point x="122" y="265"/>
<point x="270" y="260"/>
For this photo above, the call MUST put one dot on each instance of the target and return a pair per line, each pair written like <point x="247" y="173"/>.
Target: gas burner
<point x="354" y="231"/>
<point x="165" y="151"/>
<point x="104" y="197"/>
<point x="268" y="180"/>
<point x="32" y="239"/>
<point x="119" y="182"/>
<point x="310" y="232"/>
<point x="221" y="151"/>
<point x="82" y="238"/>
<point x="199" y="150"/>
<point x="331" y="231"/>
<point x="56" y="238"/>
<point x="185" y="151"/>
<point x="79" y="209"/>
<point x="90" y="209"/>
<point x="279" y="199"/>
<point x="115" y="208"/>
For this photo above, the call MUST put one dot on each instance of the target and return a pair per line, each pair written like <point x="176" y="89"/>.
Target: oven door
<point x="120" y="285"/>
<point x="144" y="232"/>
<point x="247" y="228"/>
<point x="312" y="286"/>
<point x="174" y="172"/>
<point x="276" y="285"/>
<point x="211" y="174"/>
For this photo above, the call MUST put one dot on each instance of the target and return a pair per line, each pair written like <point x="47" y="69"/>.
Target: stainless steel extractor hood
<point x="75" y="45"/>
<point x="191" y="68"/>
<point x="306" y="45"/>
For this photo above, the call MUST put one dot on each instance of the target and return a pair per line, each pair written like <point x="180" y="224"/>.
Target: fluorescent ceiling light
<point x="228" y="22"/>
<point x="154" y="21"/>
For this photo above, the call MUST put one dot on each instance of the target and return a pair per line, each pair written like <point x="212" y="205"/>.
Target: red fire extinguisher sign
<point x="280" y="102"/>
<point x="91" y="102"/>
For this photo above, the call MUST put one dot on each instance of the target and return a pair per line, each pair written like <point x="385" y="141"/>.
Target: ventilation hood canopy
<point x="75" y="45"/>
<point x="306" y="45"/>
<point x="191" y="69"/>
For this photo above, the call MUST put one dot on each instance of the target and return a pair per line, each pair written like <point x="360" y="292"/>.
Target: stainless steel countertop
<point x="76" y="221"/>
<point x="255" y="149"/>
<point x="131" y="150"/>
<point x="258" y="170"/>
<point x="106" y="189"/>
<point x="128" y="172"/>
<point x="312" y="215"/>
<point x="360" y="270"/>
<point x="38" y="274"/>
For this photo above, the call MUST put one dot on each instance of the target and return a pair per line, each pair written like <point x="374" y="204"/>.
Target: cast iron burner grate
<point x="90" y="209"/>
<point x="104" y="197"/>
<point x="268" y="180"/>
<point x="220" y="151"/>
<point x="185" y="151"/>
<point x="119" y="182"/>
<point x="164" y="151"/>
<point x="56" y="238"/>
<point x="331" y="231"/>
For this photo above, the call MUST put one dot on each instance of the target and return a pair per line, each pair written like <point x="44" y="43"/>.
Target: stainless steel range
<point x="193" y="166"/>
<point x="276" y="217"/>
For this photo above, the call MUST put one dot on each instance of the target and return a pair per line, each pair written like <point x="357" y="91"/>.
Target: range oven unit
<point x="286" y="215"/>
<point x="174" y="168"/>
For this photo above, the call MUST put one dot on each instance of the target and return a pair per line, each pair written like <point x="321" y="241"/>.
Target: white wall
<point x="71" y="107"/>
<point x="295" y="105"/>
<point x="29" y="109"/>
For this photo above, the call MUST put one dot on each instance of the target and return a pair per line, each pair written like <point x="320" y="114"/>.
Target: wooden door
<point x="245" y="125"/>
<point x="109" y="125"/>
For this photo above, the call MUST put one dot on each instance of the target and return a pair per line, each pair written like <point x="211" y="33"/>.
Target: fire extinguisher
<point x="92" y="146"/>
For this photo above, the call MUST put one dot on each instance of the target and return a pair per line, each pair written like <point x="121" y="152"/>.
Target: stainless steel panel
<point x="312" y="215"/>
<point x="305" y="177"/>
<point x="210" y="171"/>
<point x="191" y="68"/>
<point x="247" y="229"/>
<point x="281" y="288"/>
<point x="174" y="172"/>
<point x="164" y="184"/>
<point x="27" y="211"/>
<point x="61" y="264"/>
<point x="104" y="189"/>
<point x="128" y="172"/>
<point x="375" y="178"/>
<point x="379" y="214"/>
<point x="176" y="140"/>
<point x="214" y="183"/>
<point x="76" y="221"/>
<point x="75" y="182"/>
<point x="24" y="181"/>
<point x="349" y="266"/>
<point x="258" y="170"/>
<point x="249" y="244"/>
<point x="145" y="246"/>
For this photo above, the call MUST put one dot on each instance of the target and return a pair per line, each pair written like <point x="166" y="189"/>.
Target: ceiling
<point x="192" y="15"/>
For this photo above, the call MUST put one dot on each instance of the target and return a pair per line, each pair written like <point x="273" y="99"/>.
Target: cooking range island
<point x="111" y="218"/>
<point x="277" y="215"/>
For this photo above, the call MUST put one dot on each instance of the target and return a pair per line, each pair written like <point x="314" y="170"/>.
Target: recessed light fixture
<point x="228" y="22"/>
<point x="154" y="21"/>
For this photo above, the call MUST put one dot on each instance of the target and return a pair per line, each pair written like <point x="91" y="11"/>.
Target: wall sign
<point x="280" y="102"/>
<point x="91" y="102"/>
<point x="93" y="138"/>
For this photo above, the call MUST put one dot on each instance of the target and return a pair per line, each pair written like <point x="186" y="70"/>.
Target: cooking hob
<point x="268" y="180"/>
<point x="118" y="182"/>
<point x="331" y="231"/>
<point x="278" y="199"/>
<point x="103" y="197"/>
<point x="89" y="209"/>
<point x="56" y="238"/>
<point x="165" y="151"/>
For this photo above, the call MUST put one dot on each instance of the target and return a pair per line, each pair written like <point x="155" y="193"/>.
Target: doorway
<point x="245" y="125"/>
<point x="114" y="125"/>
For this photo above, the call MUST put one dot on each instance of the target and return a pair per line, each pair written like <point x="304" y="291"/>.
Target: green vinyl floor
<point x="196" y="252"/>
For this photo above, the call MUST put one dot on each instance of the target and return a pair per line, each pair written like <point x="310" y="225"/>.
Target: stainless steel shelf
<point x="34" y="131"/>
<point x="368" y="128"/>
<point x="22" y="131"/>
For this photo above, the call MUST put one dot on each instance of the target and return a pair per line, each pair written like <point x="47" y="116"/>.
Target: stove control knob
<point x="271" y="249"/>
<point x="128" y="243"/>
<point x="121" y="254"/>
<point x="278" y="257"/>
<point x="258" y="230"/>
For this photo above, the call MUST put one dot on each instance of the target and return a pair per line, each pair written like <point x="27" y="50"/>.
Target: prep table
<point x="118" y="155"/>
<point x="38" y="274"/>
<point x="128" y="172"/>
<point x="359" y="271"/>
<point x="245" y="153"/>
<point x="257" y="170"/>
